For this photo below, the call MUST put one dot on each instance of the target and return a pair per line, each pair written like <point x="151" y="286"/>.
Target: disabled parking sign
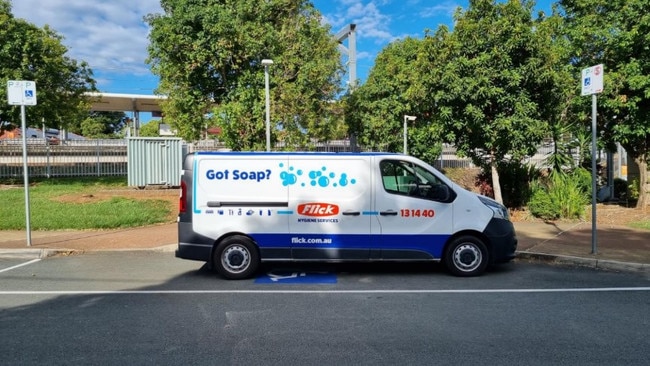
<point x="21" y="92"/>
<point x="592" y="80"/>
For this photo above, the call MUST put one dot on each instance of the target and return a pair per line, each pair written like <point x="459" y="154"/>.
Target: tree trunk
<point x="496" y="185"/>
<point x="644" y="184"/>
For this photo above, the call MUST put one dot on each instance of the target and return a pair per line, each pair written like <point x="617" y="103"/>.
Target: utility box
<point x="154" y="161"/>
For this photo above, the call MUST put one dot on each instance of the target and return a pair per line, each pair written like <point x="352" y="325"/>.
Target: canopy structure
<point x="111" y="102"/>
<point x="136" y="103"/>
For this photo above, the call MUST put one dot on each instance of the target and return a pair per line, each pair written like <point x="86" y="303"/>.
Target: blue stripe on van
<point x="432" y="244"/>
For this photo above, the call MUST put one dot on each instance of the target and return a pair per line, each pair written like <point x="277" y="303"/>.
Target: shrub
<point x="515" y="178"/>
<point x="559" y="196"/>
<point x="484" y="184"/>
<point x="634" y="189"/>
<point x="582" y="178"/>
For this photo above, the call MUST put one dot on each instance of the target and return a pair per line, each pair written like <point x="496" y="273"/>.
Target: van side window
<point x="408" y="179"/>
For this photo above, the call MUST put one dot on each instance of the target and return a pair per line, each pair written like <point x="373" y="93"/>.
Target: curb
<point x="34" y="253"/>
<point x="44" y="253"/>
<point x="542" y="257"/>
<point x="163" y="249"/>
<point x="586" y="262"/>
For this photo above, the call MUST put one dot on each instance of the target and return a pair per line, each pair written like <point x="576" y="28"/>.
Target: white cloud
<point x="110" y="35"/>
<point x="371" y="22"/>
<point x="446" y="8"/>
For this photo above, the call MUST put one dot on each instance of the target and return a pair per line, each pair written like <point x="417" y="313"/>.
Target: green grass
<point x="645" y="225"/>
<point x="53" y="206"/>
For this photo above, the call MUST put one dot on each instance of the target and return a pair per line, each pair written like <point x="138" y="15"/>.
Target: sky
<point x="111" y="35"/>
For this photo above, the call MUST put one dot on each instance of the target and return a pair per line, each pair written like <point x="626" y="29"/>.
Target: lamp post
<point x="406" y="119"/>
<point x="267" y="63"/>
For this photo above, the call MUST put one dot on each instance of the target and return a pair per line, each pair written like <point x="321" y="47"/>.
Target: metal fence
<point x="66" y="158"/>
<point x="109" y="157"/>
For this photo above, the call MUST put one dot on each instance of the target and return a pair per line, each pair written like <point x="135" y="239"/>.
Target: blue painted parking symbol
<point x="293" y="277"/>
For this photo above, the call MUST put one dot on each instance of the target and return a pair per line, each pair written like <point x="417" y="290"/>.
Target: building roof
<point x="112" y="102"/>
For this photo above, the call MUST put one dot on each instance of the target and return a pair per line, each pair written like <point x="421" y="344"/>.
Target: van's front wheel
<point x="466" y="256"/>
<point x="236" y="258"/>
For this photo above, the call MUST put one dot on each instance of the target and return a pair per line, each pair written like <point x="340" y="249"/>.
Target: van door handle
<point x="388" y="213"/>
<point x="351" y="213"/>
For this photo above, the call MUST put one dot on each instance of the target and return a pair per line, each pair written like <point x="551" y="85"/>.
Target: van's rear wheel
<point x="466" y="256"/>
<point x="236" y="258"/>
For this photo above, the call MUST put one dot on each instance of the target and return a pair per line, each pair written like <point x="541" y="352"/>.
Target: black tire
<point x="466" y="256"/>
<point x="236" y="258"/>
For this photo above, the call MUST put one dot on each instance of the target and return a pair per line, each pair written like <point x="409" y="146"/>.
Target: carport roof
<point x="111" y="102"/>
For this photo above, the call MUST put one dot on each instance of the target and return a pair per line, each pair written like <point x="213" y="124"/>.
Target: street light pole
<point x="267" y="63"/>
<point x="406" y="119"/>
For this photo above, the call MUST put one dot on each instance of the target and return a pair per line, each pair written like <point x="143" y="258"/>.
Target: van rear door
<point x="239" y="192"/>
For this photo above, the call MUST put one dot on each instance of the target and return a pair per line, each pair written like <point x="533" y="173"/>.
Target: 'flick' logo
<point x="318" y="209"/>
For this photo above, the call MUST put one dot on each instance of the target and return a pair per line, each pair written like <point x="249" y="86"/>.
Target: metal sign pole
<point x="25" y="175"/>
<point x="592" y="84"/>
<point x="22" y="93"/>
<point x="594" y="173"/>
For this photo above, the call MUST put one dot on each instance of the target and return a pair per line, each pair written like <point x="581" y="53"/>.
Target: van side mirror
<point x="439" y="192"/>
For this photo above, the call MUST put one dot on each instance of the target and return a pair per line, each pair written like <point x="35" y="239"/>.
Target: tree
<point x="616" y="33"/>
<point x="37" y="54"/>
<point x="208" y="55"/>
<point x="150" y="129"/>
<point x="492" y="92"/>
<point x="394" y="89"/>
<point x="103" y="125"/>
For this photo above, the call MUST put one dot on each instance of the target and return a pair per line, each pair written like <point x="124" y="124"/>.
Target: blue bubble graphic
<point x="323" y="181"/>
<point x="288" y="178"/>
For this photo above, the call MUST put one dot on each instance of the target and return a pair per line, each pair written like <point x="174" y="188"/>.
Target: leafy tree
<point x="208" y="55"/>
<point x="562" y="128"/>
<point x="103" y="125"/>
<point x="393" y="89"/>
<point x="493" y="91"/>
<point x="616" y="33"/>
<point x="31" y="53"/>
<point x="150" y="129"/>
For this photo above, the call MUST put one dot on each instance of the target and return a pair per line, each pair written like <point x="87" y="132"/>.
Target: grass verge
<point x="59" y="204"/>
<point x="645" y="225"/>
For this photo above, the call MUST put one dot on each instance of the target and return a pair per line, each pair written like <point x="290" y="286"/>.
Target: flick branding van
<point x="240" y="209"/>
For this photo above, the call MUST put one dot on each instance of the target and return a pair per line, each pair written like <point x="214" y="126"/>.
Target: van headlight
<point x="500" y="211"/>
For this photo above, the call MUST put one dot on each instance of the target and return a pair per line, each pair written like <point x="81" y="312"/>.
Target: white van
<point x="239" y="209"/>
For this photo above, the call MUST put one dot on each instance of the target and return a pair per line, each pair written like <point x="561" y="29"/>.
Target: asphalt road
<point x="149" y="308"/>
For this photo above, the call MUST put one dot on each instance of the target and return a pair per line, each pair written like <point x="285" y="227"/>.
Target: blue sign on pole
<point x="592" y="80"/>
<point x="21" y="92"/>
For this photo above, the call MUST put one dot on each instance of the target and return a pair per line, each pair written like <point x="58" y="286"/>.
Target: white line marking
<point x="19" y="265"/>
<point x="209" y="292"/>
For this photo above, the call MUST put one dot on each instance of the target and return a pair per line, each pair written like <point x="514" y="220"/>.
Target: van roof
<point x="295" y="153"/>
